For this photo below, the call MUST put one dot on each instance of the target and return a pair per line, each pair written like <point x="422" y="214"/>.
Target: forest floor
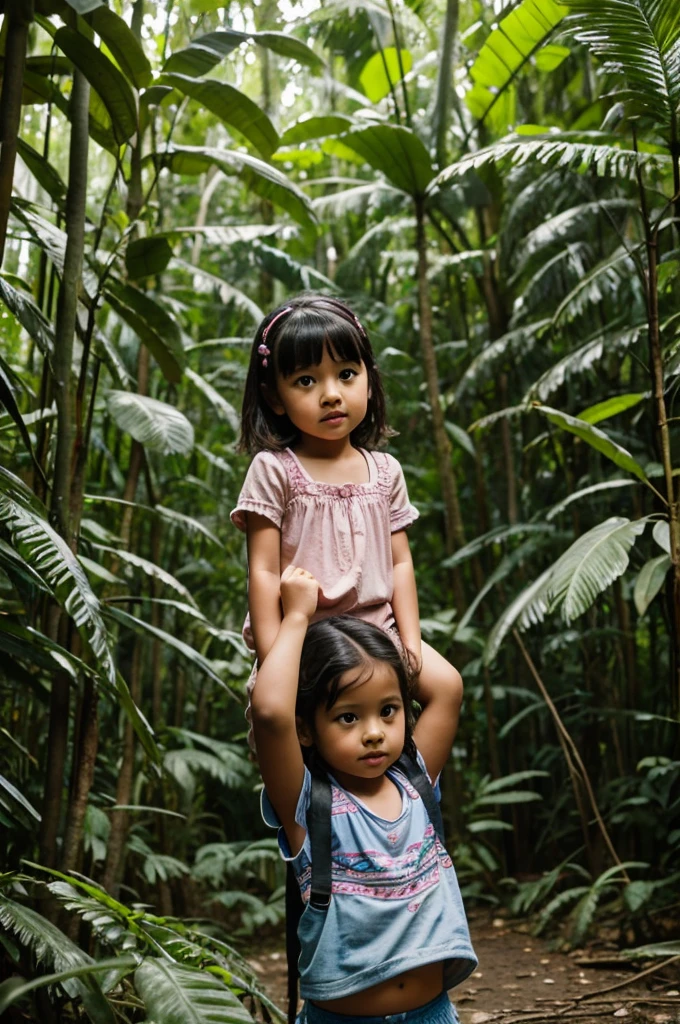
<point x="521" y="979"/>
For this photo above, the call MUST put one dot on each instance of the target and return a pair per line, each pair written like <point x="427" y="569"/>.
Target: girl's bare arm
<point x="405" y="596"/>
<point x="264" y="581"/>
<point x="273" y="703"/>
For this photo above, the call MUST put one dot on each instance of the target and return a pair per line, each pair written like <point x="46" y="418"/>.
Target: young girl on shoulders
<point x="318" y="494"/>
<point x="334" y="697"/>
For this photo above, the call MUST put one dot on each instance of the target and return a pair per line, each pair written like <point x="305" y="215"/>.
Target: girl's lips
<point x="374" y="758"/>
<point x="335" y="418"/>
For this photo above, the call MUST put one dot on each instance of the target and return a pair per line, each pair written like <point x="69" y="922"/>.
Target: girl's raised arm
<point x="439" y="691"/>
<point x="273" y="703"/>
<point x="264" y="579"/>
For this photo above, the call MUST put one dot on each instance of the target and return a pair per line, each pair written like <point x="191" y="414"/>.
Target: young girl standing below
<point x="318" y="494"/>
<point x="334" y="697"/>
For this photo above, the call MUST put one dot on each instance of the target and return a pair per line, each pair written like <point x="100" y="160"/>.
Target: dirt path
<point x="521" y="981"/>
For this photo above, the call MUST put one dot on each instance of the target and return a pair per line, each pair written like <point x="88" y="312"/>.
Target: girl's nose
<point x="330" y="394"/>
<point x="373" y="732"/>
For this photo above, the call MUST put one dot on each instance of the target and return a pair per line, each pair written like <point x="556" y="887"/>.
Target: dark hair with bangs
<point x="297" y="333"/>
<point x="334" y="646"/>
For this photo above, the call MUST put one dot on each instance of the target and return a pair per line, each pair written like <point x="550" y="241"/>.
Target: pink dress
<point x="341" y="533"/>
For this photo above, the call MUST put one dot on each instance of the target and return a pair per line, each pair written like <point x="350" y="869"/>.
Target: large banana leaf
<point x="316" y="128"/>
<point x="639" y="39"/>
<point x="174" y="994"/>
<point x="204" y="52"/>
<point x="233" y="108"/>
<point x="108" y="82"/>
<point x="516" y="40"/>
<point x="259" y="177"/>
<point x="152" y="324"/>
<point x="395" y="151"/>
<point x="156" y="425"/>
<point x="123" y="44"/>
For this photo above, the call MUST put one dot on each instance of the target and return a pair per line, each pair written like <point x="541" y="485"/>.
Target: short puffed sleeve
<point x="402" y="512"/>
<point x="264" y="491"/>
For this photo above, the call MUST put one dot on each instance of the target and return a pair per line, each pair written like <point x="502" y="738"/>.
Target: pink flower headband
<point x="265" y="351"/>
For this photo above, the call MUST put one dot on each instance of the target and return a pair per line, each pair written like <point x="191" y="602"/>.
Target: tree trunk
<point x="58" y="625"/>
<point x="454" y="531"/>
<point x="85" y="757"/>
<point x="18" y="16"/>
<point x="119" y="820"/>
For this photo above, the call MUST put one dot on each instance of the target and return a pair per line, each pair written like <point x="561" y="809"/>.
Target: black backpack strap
<point x="319" y="827"/>
<point x="420" y="782"/>
<point x="293" y="914"/>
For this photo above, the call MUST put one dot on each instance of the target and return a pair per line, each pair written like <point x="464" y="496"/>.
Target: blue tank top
<point x="395" y="901"/>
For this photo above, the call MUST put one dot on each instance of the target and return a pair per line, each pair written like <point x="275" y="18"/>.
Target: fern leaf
<point x="605" y="279"/>
<point x="569" y="226"/>
<point x="51" y="947"/>
<point x="151" y="569"/>
<point x="591" y="564"/>
<point x="51" y="557"/>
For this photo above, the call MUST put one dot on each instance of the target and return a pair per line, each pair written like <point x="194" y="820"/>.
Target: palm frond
<point x="151" y="569"/>
<point x="583" y="359"/>
<point x="357" y="199"/>
<point x="553" y="278"/>
<point x="591" y="564"/>
<point x="580" y="151"/>
<point x="529" y="607"/>
<point x="511" y="346"/>
<point x="585" y="492"/>
<point x="224" y="409"/>
<point x="569" y="225"/>
<point x="51" y="557"/>
<point x="608" y="278"/>
<point x="640" y="40"/>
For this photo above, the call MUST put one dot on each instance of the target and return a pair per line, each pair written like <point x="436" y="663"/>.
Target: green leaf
<point x="19" y="797"/>
<point x="49" y="554"/>
<point x="193" y="656"/>
<point x="395" y="151"/>
<point x="529" y="606"/>
<point x="7" y="399"/>
<point x="224" y="409"/>
<point x="591" y="564"/>
<point x="233" y="108"/>
<point x="519" y="796"/>
<point x="383" y="70"/>
<point x="174" y="994"/>
<point x="611" y="407"/>
<point x="636" y="39"/>
<point x="23" y="307"/>
<point x="650" y="581"/>
<point x="123" y="44"/>
<point x="84" y="6"/>
<point x="461" y="437"/>
<point x="597" y="439"/>
<point x="509" y="780"/>
<point x="585" y="492"/>
<point x="156" y="425"/>
<point x="315" y="128"/>
<point x="53" y="947"/>
<point x="108" y="82"/>
<point x="152" y="324"/>
<point x="204" y="52"/>
<point x="579" y="151"/>
<point x="150" y="568"/>
<point x="511" y="45"/>
<point x="662" y="535"/>
<point x="43" y="171"/>
<point x="259" y="177"/>
<point x="146" y="257"/>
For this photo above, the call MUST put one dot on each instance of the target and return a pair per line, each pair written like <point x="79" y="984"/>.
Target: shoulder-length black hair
<point x="334" y="646"/>
<point x="297" y="333"/>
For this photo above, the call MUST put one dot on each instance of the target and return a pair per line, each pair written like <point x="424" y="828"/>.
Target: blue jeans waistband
<point x="439" y="1010"/>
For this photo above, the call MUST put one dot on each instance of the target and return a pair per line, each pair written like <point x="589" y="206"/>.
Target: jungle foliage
<point x="495" y="188"/>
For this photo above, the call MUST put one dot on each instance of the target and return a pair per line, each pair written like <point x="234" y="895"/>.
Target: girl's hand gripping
<point x="299" y="592"/>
